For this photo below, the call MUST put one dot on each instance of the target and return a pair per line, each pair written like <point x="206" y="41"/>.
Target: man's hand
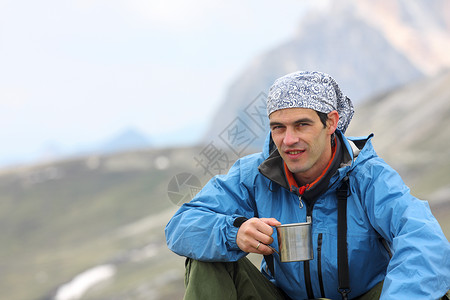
<point x="255" y="234"/>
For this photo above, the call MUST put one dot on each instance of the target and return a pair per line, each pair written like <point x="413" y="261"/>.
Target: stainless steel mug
<point x="295" y="242"/>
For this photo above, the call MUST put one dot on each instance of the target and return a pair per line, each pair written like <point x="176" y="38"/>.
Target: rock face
<point x="369" y="47"/>
<point x="412" y="133"/>
<point x="417" y="29"/>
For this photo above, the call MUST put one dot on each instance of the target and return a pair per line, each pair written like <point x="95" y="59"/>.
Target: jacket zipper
<point x="306" y="270"/>
<point x="319" y="264"/>
<point x="307" y="274"/>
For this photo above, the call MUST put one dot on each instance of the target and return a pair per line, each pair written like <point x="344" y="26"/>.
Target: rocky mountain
<point x="368" y="46"/>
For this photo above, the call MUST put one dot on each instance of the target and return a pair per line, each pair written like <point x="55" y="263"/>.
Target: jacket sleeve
<point x="203" y="228"/>
<point x="420" y="263"/>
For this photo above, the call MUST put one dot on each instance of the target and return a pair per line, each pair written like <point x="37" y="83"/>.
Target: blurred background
<point x="114" y="113"/>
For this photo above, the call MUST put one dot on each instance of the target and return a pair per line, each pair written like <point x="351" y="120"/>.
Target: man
<point x="306" y="165"/>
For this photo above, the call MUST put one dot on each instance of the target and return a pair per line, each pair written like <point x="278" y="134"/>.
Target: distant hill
<point x="128" y="139"/>
<point x="368" y="46"/>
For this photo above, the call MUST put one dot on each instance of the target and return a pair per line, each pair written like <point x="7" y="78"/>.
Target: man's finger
<point x="270" y="221"/>
<point x="263" y="237"/>
<point x="264" y="249"/>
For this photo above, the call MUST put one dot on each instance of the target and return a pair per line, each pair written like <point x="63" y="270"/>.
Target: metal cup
<point x="295" y="242"/>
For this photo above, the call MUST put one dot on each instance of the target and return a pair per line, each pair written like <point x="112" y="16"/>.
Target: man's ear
<point x="332" y="122"/>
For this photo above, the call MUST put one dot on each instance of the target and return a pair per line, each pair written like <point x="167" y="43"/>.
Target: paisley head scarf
<point x="314" y="90"/>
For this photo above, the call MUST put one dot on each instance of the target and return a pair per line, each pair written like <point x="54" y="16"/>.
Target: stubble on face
<point x="302" y="141"/>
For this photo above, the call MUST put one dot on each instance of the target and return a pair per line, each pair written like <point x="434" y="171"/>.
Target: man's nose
<point x="290" y="138"/>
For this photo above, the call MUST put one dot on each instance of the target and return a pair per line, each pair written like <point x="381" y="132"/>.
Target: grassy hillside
<point x="60" y="219"/>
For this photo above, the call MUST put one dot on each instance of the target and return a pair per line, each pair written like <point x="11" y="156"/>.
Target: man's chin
<point x="295" y="169"/>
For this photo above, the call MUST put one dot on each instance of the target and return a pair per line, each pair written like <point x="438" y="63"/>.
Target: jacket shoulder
<point x="246" y="167"/>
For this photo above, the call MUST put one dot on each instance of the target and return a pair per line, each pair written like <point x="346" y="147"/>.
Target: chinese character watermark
<point x="257" y="112"/>
<point x="240" y="135"/>
<point x="213" y="160"/>
<point x="183" y="187"/>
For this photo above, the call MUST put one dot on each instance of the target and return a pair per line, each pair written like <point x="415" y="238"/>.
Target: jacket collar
<point x="274" y="169"/>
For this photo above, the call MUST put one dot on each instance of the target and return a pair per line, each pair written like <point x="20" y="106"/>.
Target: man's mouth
<point x="294" y="152"/>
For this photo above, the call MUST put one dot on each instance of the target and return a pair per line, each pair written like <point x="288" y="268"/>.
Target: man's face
<point x="302" y="140"/>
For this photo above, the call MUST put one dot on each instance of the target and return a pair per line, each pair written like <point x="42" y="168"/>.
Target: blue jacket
<point x="379" y="207"/>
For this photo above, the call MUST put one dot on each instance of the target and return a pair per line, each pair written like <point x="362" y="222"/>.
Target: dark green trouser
<point x="237" y="280"/>
<point x="227" y="280"/>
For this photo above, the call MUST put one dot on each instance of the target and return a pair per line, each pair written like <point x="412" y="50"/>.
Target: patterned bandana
<point x="314" y="90"/>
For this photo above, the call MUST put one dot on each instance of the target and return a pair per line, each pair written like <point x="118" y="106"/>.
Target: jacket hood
<point x="356" y="146"/>
<point x="269" y="145"/>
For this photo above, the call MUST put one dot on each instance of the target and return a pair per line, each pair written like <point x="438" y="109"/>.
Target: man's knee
<point x="239" y="279"/>
<point x="209" y="280"/>
<point x="208" y="269"/>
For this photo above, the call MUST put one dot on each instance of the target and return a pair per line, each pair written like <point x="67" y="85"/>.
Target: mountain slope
<point x="417" y="29"/>
<point x="351" y="42"/>
<point x="412" y="132"/>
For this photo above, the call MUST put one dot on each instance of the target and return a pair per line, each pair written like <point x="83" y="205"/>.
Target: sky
<point x="75" y="73"/>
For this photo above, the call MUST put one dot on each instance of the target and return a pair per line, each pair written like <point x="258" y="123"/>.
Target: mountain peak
<point x="127" y="139"/>
<point x="418" y="29"/>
